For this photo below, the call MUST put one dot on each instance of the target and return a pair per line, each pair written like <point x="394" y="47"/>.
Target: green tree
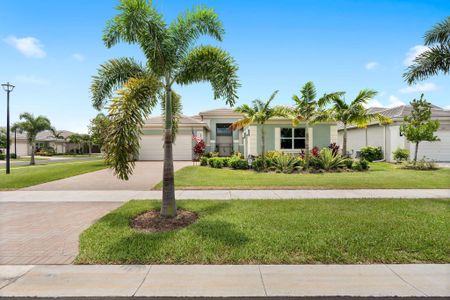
<point x="259" y="113"/>
<point x="86" y="140"/>
<point x="309" y="110"/>
<point x="354" y="113"/>
<point x="98" y="129"/>
<point x="77" y="140"/>
<point x="32" y="126"/>
<point x="419" y="127"/>
<point x="2" y="138"/>
<point x="172" y="57"/>
<point x="436" y="59"/>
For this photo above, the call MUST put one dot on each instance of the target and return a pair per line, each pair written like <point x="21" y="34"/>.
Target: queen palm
<point x="309" y="110"/>
<point x="354" y="113"/>
<point x="436" y="59"/>
<point x="172" y="57"/>
<point x="31" y="126"/>
<point x="259" y="113"/>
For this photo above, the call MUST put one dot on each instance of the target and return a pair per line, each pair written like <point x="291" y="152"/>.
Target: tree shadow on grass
<point x="220" y="231"/>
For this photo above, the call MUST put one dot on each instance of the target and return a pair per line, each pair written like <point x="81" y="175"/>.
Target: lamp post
<point x="8" y="89"/>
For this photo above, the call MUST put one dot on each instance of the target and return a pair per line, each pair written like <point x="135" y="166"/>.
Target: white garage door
<point x="438" y="151"/>
<point x="152" y="147"/>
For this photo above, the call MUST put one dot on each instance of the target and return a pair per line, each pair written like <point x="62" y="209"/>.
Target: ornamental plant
<point x="199" y="147"/>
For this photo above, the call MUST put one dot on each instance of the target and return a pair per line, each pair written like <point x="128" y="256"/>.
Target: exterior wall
<point x="22" y="148"/>
<point x="358" y="138"/>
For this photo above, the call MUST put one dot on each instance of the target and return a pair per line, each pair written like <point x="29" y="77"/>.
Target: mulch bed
<point x="151" y="221"/>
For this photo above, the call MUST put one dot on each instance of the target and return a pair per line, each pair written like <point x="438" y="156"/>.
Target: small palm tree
<point x="57" y="134"/>
<point x="309" y="110"/>
<point x="436" y="59"/>
<point x="75" y="139"/>
<point x="259" y="113"/>
<point x="172" y="57"/>
<point x="354" y="113"/>
<point x="32" y="126"/>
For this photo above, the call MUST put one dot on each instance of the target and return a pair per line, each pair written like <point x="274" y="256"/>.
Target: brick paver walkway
<point x="45" y="233"/>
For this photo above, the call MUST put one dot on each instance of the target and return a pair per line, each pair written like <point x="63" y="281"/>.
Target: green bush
<point x="13" y="156"/>
<point x="371" y="153"/>
<point x="212" y="154"/>
<point x="349" y="163"/>
<point x="204" y="161"/>
<point x="226" y="161"/>
<point x="258" y="165"/>
<point x="2" y="156"/>
<point x="401" y="154"/>
<point x="273" y="154"/>
<point x="236" y="162"/>
<point x="216" y="162"/>
<point x="327" y="160"/>
<point x="286" y="163"/>
<point x="422" y="165"/>
<point x="361" y="165"/>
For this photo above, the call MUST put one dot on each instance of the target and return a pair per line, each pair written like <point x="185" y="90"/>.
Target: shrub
<point x="2" y="156"/>
<point x="44" y="153"/>
<point x="334" y="148"/>
<point x="216" y="162"/>
<point x="273" y="154"/>
<point x="13" y="155"/>
<point x="204" y="161"/>
<point x="286" y="163"/>
<point x="212" y="154"/>
<point x="236" y="162"/>
<point x="371" y="153"/>
<point x="349" y="163"/>
<point x="401" y="154"/>
<point x="326" y="160"/>
<point x="422" y="165"/>
<point x="238" y="154"/>
<point x="361" y="165"/>
<point x="199" y="147"/>
<point x="258" y="165"/>
<point x="225" y="161"/>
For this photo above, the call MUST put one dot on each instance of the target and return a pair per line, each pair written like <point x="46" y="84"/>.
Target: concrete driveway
<point x="146" y="175"/>
<point x="45" y="232"/>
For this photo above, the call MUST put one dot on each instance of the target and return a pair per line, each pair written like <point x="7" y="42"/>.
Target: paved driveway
<point x="45" y="232"/>
<point x="146" y="175"/>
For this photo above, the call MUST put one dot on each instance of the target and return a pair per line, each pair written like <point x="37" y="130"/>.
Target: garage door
<point x="438" y="151"/>
<point x="151" y="147"/>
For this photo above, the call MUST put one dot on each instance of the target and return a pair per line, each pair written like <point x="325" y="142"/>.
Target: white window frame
<point x="292" y="138"/>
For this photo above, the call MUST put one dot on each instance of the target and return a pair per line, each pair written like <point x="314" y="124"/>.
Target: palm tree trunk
<point x="169" y="206"/>
<point x="32" y="161"/>
<point x="344" y="141"/>
<point x="306" y="142"/>
<point x="90" y="149"/>
<point x="416" y="150"/>
<point x="263" y="146"/>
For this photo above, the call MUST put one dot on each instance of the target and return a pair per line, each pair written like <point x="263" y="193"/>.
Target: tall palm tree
<point x="75" y="139"/>
<point x="259" y="113"/>
<point x="436" y="59"/>
<point x="172" y="57"/>
<point x="354" y="113"/>
<point x="31" y="126"/>
<point x="86" y="139"/>
<point x="309" y="110"/>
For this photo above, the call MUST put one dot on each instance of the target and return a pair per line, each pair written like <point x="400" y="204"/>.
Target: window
<point x="223" y="130"/>
<point x="292" y="138"/>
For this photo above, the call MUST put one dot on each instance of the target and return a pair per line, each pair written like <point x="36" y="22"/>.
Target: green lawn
<point x="340" y="231"/>
<point x="23" y="176"/>
<point x="380" y="176"/>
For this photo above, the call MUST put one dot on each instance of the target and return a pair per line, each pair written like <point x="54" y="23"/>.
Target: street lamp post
<point x="8" y="89"/>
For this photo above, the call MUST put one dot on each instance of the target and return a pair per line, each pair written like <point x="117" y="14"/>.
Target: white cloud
<point x="373" y="103"/>
<point x="31" y="79"/>
<point x="419" y="88"/>
<point x="371" y="65"/>
<point x="447" y="107"/>
<point x="395" y="101"/>
<point x="413" y="53"/>
<point x="79" y="57"/>
<point x="28" y="46"/>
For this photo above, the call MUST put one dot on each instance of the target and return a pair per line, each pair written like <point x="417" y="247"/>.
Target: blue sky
<point x="50" y="49"/>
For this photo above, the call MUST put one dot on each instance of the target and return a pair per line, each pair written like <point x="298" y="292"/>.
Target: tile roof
<point x="184" y="120"/>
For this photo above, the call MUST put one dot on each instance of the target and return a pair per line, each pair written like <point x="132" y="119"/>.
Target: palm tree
<point x="172" y="57"/>
<point x="31" y="126"/>
<point x="87" y="140"/>
<point x="57" y="134"/>
<point x="259" y="113"/>
<point x="309" y="110"/>
<point x="436" y="59"/>
<point x="75" y="139"/>
<point x="354" y="113"/>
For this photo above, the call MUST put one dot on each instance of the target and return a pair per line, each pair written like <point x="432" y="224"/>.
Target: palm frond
<point x="440" y="33"/>
<point x="363" y="97"/>
<point x="241" y="123"/>
<point x="214" y="65"/>
<point x="429" y="63"/>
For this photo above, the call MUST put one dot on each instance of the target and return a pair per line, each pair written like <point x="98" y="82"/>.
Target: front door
<point x="224" y="139"/>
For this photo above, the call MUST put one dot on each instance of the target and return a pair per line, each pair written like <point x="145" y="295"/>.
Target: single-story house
<point x="44" y="139"/>
<point x="213" y="126"/>
<point x="390" y="137"/>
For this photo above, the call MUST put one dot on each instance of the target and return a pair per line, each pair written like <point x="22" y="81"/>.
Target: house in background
<point x="389" y="137"/>
<point x="213" y="126"/>
<point x="44" y="139"/>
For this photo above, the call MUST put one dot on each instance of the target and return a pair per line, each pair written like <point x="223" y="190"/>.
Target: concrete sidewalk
<point x="225" y="280"/>
<point x="123" y="196"/>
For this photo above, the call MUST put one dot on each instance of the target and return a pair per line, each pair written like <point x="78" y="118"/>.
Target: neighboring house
<point x="390" y="138"/>
<point x="44" y="139"/>
<point x="214" y="127"/>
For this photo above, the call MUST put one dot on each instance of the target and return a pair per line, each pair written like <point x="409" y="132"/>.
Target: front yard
<point x="380" y="176"/>
<point x="23" y="176"/>
<point x="278" y="232"/>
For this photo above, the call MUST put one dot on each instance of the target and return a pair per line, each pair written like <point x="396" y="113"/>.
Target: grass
<point x="340" y="231"/>
<point x="23" y="176"/>
<point x="380" y="176"/>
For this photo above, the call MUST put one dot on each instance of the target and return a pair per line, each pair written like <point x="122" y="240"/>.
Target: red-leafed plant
<point x="334" y="148"/>
<point x="315" y="151"/>
<point x="199" y="147"/>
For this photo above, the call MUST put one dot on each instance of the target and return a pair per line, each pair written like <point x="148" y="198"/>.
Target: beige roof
<point x="224" y="111"/>
<point x="185" y="121"/>
<point x="43" y="136"/>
